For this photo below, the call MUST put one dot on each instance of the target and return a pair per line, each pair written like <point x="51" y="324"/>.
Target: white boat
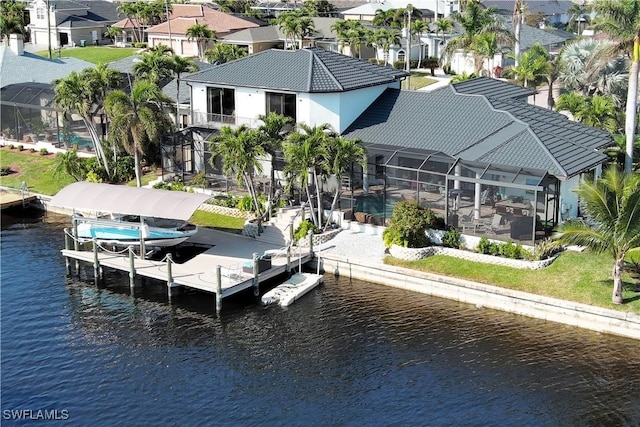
<point x="292" y="289"/>
<point x="128" y="229"/>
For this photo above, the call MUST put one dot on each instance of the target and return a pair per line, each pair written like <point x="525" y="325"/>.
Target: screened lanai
<point x="479" y="199"/>
<point x="28" y="114"/>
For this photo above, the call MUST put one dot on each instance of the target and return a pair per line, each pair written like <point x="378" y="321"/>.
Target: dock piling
<point x="132" y="268"/>
<point x="256" y="282"/>
<point x="218" y="289"/>
<point x="67" y="246"/>
<point x="310" y="235"/>
<point x="96" y="261"/>
<point x="288" y="268"/>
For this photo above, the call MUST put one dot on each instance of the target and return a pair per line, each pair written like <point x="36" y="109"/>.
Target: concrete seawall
<point x="540" y="307"/>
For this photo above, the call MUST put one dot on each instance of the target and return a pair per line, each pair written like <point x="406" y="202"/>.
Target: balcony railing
<point x="211" y="120"/>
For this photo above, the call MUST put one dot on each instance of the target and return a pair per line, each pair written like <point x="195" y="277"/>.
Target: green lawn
<point x="34" y="169"/>
<point x="582" y="277"/>
<point x="217" y="221"/>
<point x="94" y="54"/>
<point x="419" y="79"/>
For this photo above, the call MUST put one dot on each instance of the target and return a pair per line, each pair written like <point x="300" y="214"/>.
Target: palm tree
<point x="577" y="13"/>
<point x="288" y="23"/>
<point x="444" y="26"/>
<point x="179" y="66"/>
<point x="385" y="38"/>
<point x="273" y="132"/>
<point x="304" y="28"/>
<point x="384" y="18"/>
<point x="340" y="27"/>
<point x="113" y="33"/>
<point x="80" y="93"/>
<point x="587" y="66"/>
<point x="154" y="65"/>
<point x="519" y="7"/>
<point x="476" y="21"/>
<point x="201" y="34"/>
<point x="571" y="102"/>
<point x="130" y="10"/>
<point x="241" y="151"/>
<point x="305" y="155"/>
<point x="612" y="203"/>
<point x="222" y="52"/>
<point x="11" y="19"/>
<point x="485" y="46"/>
<point x="342" y="154"/>
<point x="531" y="67"/>
<point x="599" y="112"/>
<point x="137" y="118"/>
<point x="419" y="27"/>
<point x="68" y="162"/>
<point x="621" y="19"/>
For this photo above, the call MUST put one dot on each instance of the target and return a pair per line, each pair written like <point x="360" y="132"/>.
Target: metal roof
<point x="126" y="200"/>
<point x="306" y="70"/>
<point x="497" y="88"/>
<point x="481" y="128"/>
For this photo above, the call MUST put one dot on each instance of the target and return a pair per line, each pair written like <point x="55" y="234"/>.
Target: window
<point x="221" y="105"/>
<point x="282" y="103"/>
<point x="401" y="55"/>
<point x="40" y="13"/>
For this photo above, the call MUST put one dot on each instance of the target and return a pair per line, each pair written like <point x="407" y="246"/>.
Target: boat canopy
<point x="120" y="199"/>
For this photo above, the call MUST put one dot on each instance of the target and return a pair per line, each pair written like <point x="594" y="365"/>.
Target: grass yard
<point x="581" y="277"/>
<point x="34" y="169"/>
<point x="217" y="221"/>
<point x="94" y="54"/>
<point x="419" y="80"/>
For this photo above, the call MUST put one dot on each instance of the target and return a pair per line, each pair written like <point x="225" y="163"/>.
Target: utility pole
<point x="408" y="56"/>
<point x="49" y="28"/>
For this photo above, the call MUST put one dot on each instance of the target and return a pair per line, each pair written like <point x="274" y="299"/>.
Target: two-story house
<point x="475" y="152"/>
<point x="70" y="23"/>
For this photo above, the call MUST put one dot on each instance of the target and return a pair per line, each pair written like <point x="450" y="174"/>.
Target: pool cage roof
<point x="28" y="95"/>
<point x="464" y="170"/>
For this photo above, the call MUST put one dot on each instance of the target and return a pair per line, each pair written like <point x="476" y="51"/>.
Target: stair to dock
<point x="276" y="231"/>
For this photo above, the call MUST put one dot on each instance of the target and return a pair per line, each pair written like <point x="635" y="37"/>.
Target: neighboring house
<point x="132" y="31"/>
<point x="269" y="37"/>
<point x="551" y="12"/>
<point x="173" y="33"/>
<point x="70" y="23"/>
<point x="26" y="89"/>
<point x="477" y="142"/>
<point x="551" y="39"/>
<point x="429" y="9"/>
<point x="274" y="9"/>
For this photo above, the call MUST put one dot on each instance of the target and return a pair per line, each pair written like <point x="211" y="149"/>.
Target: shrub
<point x="228" y="201"/>
<point x="20" y="147"/>
<point x="245" y="204"/>
<point x="509" y="250"/>
<point x="451" y="238"/>
<point x="5" y="170"/>
<point x="303" y="229"/>
<point x="408" y="226"/>
<point x="11" y="146"/>
<point x="44" y="151"/>
<point x="93" y="177"/>
<point x="140" y="45"/>
<point x="32" y="150"/>
<point x="484" y="246"/>
<point x="545" y="249"/>
<point x="399" y="65"/>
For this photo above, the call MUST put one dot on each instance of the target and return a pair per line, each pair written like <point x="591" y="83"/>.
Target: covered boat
<point x="137" y="215"/>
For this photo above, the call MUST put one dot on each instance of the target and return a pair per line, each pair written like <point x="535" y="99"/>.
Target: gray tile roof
<point x="29" y="67"/>
<point x="547" y="38"/>
<point x="545" y="7"/>
<point x="492" y="87"/>
<point x="306" y="70"/>
<point x="171" y="88"/>
<point x="505" y="132"/>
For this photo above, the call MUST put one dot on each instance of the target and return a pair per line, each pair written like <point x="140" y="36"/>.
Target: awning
<point x="124" y="200"/>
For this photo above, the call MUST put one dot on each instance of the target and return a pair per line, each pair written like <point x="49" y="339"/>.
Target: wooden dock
<point x="230" y="252"/>
<point x="12" y="200"/>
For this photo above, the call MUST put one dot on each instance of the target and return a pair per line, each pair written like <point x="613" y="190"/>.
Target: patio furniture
<point x="494" y="225"/>
<point x="468" y="221"/>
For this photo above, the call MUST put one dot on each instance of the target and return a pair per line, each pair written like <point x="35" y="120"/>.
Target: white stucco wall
<point x="569" y="199"/>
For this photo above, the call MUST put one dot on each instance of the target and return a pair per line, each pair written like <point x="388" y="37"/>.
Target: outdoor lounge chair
<point x="494" y="225"/>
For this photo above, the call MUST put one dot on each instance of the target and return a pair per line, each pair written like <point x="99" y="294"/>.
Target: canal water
<point x="349" y="353"/>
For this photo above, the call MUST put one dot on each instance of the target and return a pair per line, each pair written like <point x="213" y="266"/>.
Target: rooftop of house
<point x="485" y="124"/>
<point x="272" y="33"/>
<point x="31" y="68"/>
<point x="220" y="22"/>
<point x="547" y="8"/>
<point x="303" y="70"/>
<point x="98" y="10"/>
